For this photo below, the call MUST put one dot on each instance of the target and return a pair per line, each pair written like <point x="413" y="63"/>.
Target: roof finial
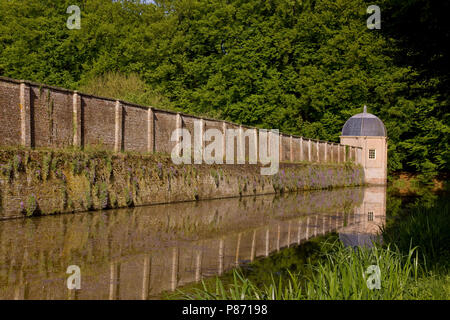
<point x="365" y="109"/>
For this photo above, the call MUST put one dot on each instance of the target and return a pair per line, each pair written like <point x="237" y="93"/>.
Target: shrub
<point x="31" y="208"/>
<point x="127" y="87"/>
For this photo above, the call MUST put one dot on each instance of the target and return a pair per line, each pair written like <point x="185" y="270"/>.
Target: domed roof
<point x="364" y="124"/>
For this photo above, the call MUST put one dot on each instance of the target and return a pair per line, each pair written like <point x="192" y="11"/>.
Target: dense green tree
<point x="421" y="33"/>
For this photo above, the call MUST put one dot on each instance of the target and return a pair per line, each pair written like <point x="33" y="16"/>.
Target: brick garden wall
<point x="36" y="115"/>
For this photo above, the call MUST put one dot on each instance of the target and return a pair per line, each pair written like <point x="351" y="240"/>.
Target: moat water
<point x="139" y="253"/>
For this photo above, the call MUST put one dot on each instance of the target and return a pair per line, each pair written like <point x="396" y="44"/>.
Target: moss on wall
<point x="41" y="182"/>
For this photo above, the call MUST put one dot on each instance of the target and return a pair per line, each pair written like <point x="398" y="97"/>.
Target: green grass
<point x="339" y="275"/>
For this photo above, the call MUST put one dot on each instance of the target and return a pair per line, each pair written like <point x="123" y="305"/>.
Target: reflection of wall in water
<point x="135" y="254"/>
<point x="368" y="218"/>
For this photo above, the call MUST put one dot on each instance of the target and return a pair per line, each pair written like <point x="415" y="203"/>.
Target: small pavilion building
<point x="367" y="131"/>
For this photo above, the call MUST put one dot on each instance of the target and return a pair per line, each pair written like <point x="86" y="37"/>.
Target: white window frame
<point x="374" y="154"/>
<point x="370" y="216"/>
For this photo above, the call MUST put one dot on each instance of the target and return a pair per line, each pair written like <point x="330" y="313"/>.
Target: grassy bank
<point x="413" y="264"/>
<point x="340" y="274"/>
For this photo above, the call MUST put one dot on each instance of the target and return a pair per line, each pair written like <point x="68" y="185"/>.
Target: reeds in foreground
<point x="340" y="274"/>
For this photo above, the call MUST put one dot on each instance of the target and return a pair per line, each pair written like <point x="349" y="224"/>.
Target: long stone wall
<point x="37" y="115"/>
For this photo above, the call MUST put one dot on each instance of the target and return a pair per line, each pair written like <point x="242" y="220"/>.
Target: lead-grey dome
<point x="364" y="124"/>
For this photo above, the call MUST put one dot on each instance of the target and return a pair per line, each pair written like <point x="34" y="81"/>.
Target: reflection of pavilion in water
<point x="368" y="218"/>
<point x="139" y="253"/>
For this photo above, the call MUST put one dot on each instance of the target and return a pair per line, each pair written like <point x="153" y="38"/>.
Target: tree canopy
<point x="302" y="66"/>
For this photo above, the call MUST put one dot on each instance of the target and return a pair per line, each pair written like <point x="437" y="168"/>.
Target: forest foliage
<point x="302" y="66"/>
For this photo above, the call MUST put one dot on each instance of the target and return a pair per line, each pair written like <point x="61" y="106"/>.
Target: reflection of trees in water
<point x="398" y="205"/>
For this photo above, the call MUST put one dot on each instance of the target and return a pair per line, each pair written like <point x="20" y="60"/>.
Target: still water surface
<point x="140" y="252"/>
